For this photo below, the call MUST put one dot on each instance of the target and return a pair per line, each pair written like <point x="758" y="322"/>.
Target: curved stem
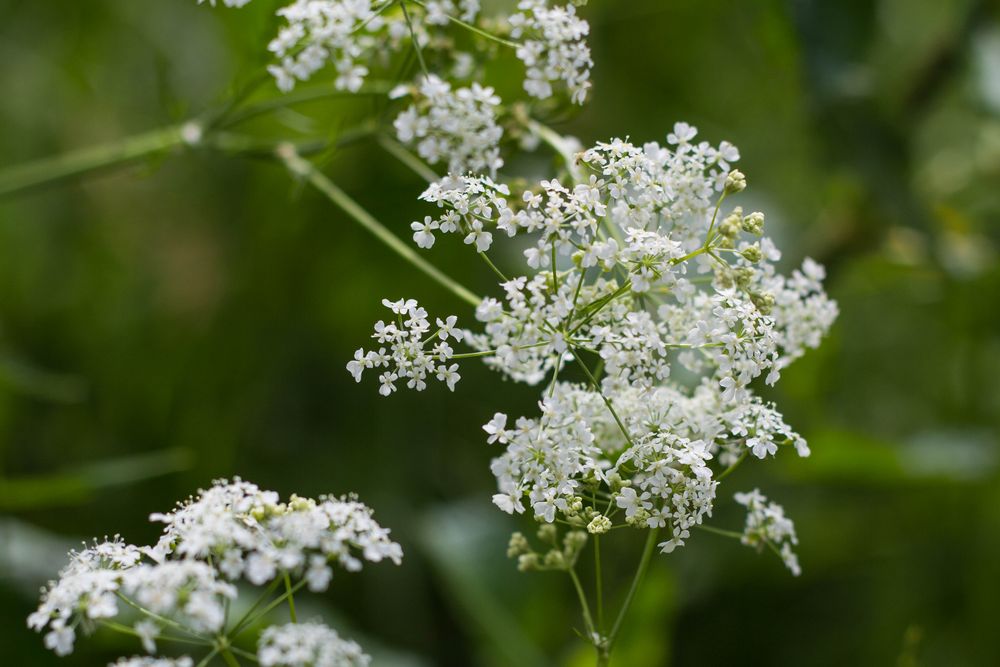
<point x="301" y="167"/>
<point x="96" y="158"/>
<point x="640" y="572"/>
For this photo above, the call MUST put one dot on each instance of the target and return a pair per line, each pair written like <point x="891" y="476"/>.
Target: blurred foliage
<point x="193" y="315"/>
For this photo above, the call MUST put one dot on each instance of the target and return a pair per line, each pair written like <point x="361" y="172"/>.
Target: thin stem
<point x="396" y="149"/>
<point x="266" y="610"/>
<point x="720" y="531"/>
<point x="640" y="572"/>
<point x="298" y="166"/>
<point x="291" y="598"/>
<point x="96" y="158"/>
<point x="559" y="144"/>
<point x="124" y="629"/>
<point x="244" y="654"/>
<point x="413" y="38"/>
<point x="478" y="31"/>
<point x="229" y="658"/>
<point x="493" y="266"/>
<point x="598" y="584"/>
<point x="725" y="473"/>
<point x="607" y="401"/>
<point x="263" y="596"/>
<point x="162" y="619"/>
<point x="208" y="658"/>
<point x="584" y="605"/>
<point x="486" y="353"/>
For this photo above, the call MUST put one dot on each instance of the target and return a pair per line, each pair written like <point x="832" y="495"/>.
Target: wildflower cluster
<point x="767" y="525"/>
<point x="553" y="49"/>
<point x="414" y="352"/>
<point x="183" y="587"/>
<point x="458" y="126"/>
<point x="308" y="644"/>
<point x="631" y="272"/>
<point x="357" y="35"/>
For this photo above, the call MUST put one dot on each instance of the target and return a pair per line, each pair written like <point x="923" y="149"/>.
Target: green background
<point x="189" y="317"/>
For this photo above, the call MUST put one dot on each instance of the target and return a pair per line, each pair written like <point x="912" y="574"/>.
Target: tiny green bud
<point x="527" y="562"/>
<point x="555" y="559"/>
<point x="743" y="275"/>
<point x="518" y="545"/>
<point x="599" y="525"/>
<point x="547" y="533"/>
<point x="732" y="223"/>
<point x="764" y="302"/>
<point x="754" y="223"/>
<point x="752" y="253"/>
<point x="735" y="182"/>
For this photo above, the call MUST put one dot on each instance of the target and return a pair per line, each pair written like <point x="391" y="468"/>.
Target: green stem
<point x="260" y="600"/>
<point x="584" y="605"/>
<point x="291" y="598"/>
<point x="396" y="149"/>
<point x="266" y="610"/>
<point x="96" y="158"/>
<point x="229" y="658"/>
<point x="640" y="572"/>
<point x="607" y="401"/>
<point x="559" y="144"/>
<point x="208" y="658"/>
<point x="472" y="28"/>
<point x="598" y="585"/>
<point x="720" y="531"/>
<point x="725" y="473"/>
<point x="301" y="167"/>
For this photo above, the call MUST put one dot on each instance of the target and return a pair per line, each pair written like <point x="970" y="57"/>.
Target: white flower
<point x="308" y="645"/>
<point x="411" y="356"/>
<point x="766" y="524"/>
<point x="553" y="48"/>
<point x="495" y="429"/>
<point x="458" y="127"/>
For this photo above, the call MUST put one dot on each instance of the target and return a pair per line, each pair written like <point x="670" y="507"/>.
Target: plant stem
<point x="607" y="401"/>
<point x="598" y="585"/>
<point x="725" y="473"/>
<point x="291" y="599"/>
<point x="87" y="160"/>
<point x="588" y="620"/>
<point x="301" y="167"/>
<point x="395" y="149"/>
<point x="640" y="572"/>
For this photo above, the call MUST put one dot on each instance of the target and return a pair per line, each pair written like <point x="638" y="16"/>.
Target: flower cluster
<point x="767" y="525"/>
<point x="457" y="126"/>
<point x="553" y="49"/>
<point x="631" y="271"/>
<point x="414" y="352"/>
<point x="186" y="581"/>
<point x="313" y="644"/>
<point x="344" y="32"/>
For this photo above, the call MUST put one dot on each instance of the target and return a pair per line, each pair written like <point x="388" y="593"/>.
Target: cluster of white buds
<point x="553" y="49"/>
<point x="456" y="126"/>
<point x="186" y="582"/>
<point x="414" y="351"/>
<point x="767" y="525"/>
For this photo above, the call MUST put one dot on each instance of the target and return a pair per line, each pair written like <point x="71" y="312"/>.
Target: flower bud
<point x="599" y="525"/>
<point x="754" y="223"/>
<point x="735" y="182"/>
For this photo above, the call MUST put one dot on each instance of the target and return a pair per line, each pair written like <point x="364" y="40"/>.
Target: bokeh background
<point x="189" y="317"/>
